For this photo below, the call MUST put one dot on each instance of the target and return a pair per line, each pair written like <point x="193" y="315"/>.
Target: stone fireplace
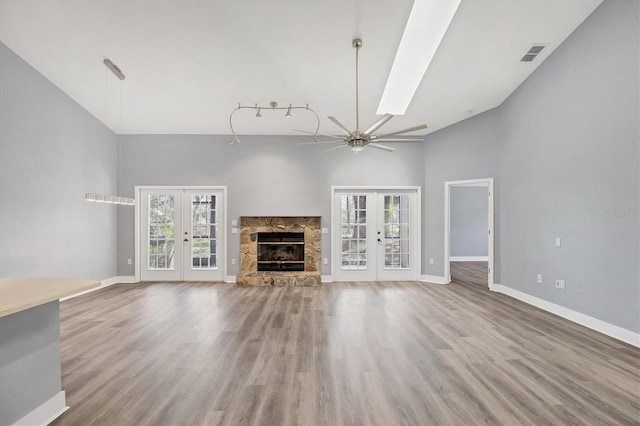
<point x="280" y="251"/>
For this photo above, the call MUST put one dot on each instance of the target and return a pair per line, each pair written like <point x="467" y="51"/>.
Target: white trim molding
<point x="469" y="258"/>
<point x="45" y="413"/>
<point x="600" y="326"/>
<point x="326" y="278"/>
<point x="433" y="279"/>
<point x="230" y="279"/>
<point x="105" y="283"/>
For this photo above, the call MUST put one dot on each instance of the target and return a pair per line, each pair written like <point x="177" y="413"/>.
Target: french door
<point x="376" y="234"/>
<point x="181" y="234"/>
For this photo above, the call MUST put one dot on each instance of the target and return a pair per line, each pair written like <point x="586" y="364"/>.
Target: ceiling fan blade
<point x="317" y="134"/>
<point x="396" y="140"/>
<point x="410" y="129"/>
<point x="382" y="147"/>
<point x="316" y="143"/>
<point x="339" y="124"/>
<point x="337" y="147"/>
<point x="375" y="126"/>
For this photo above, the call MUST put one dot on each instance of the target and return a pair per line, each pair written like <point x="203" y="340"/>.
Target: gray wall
<point x="570" y="154"/>
<point x="29" y="360"/>
<point x="468" y="224"/>
<point x="264" y="175"/>
<point x="468" y="150"/>
<point x="564" y="149"/>
<point x="52" y="151"/>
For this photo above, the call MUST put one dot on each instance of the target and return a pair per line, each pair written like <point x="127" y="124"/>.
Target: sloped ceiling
<point x="188" y="63"/>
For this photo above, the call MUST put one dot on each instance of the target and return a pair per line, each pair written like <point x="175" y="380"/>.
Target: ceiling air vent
<point x="532" y="53"/>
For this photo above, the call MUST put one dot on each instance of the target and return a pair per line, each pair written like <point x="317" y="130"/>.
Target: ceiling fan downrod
<point x="357" y="44"/>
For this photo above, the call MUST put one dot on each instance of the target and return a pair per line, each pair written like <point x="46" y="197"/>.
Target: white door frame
<point x="447" y="224"/>
<point x="418" y="223"/>
<point x="137" y="196"/>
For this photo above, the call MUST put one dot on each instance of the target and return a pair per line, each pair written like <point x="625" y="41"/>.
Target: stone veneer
<point x="249" y="274"/>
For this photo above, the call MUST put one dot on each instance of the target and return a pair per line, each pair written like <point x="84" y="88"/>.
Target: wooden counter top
<point x="18" y="294"/>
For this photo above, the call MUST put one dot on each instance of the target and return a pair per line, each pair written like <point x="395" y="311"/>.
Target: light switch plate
<point x="234" y="222"/>
<point x="558" y="241"/>
<point x="325" y="230"/>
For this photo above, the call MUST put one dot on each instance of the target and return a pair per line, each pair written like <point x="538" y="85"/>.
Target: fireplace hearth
<point x="280" y="251"/>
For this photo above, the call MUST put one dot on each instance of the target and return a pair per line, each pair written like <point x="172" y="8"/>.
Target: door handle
<point x="186" y="239"/>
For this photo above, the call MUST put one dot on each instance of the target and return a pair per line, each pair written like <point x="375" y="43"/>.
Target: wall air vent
<point x="532" y="53"/>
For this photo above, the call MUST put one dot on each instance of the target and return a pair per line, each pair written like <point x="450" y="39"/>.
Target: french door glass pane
<point x="354" y="231"/>
<point x="203" y="232"/>
<point x="396" y="231"/>
<point x="161" y="231"/>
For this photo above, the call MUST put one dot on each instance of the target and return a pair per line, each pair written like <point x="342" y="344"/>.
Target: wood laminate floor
<point x="345" y="353"/>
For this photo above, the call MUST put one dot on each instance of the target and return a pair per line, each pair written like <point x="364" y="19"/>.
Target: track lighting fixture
<point x="273" y="106"/>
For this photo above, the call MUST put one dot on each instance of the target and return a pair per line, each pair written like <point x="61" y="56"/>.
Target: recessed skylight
<point x="426" y="26"/>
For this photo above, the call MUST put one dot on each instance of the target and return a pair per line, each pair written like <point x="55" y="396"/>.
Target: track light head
<point x="258" y="113"/>
<point x="288" y="114"/>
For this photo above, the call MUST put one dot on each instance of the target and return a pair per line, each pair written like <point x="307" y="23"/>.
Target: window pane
<point x="353" y="231"/>
<point x="396" y="231"/>
<point x="161" y="231"/>
<point x="204" y="229"/>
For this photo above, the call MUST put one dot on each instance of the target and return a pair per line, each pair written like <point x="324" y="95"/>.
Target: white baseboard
<point x="230" y="279"/>
<point x="600" y="326"/>
<point x="45" y="413"/>
<point x="326" y="278"/>
<point x="124" y="279"/>
<point x="469" y="258"/>
<point x="433" y="279"/>
<point x="104" y="283"/>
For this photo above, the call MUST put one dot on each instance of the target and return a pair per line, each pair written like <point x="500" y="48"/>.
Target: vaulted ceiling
<point x="188" y="63"/>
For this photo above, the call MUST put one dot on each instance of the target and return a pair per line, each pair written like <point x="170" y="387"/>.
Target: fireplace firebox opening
<point x="280" y="251"/>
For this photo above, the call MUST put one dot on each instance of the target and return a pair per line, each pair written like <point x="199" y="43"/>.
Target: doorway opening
<point x="468" y="246"/>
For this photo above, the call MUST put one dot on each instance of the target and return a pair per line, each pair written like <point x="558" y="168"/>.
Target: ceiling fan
<point x="358" y="139"/>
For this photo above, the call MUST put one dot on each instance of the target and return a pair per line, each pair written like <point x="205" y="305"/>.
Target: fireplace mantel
<point x="250" y="226"/>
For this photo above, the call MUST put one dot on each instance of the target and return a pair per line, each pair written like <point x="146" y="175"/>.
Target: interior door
<point x="181" y="235"/>
<point x="202" y="221"/>
<point x="375" y="235"/>
<point x="354" y="242"/>
<point x="396" y="242"/>
<point x="160" y="226"/>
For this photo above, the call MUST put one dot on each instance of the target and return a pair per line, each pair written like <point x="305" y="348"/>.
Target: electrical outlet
<point x="560" y="284"/>
<point x="233" y="261"/>
<point x="325" y="230"/>
<point x="431" y="261"/>
<point x="129" y="261"/>
<point x="325" y="261"/>
<point x="234" y="230"/>
<point x="539" y="278"/>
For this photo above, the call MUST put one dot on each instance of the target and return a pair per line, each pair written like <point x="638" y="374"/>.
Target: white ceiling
<point x="188" y="63"/>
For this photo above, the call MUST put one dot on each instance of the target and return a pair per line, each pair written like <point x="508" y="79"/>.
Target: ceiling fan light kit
<point x="273" y="106"/>
<point x="357" y="139"/>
